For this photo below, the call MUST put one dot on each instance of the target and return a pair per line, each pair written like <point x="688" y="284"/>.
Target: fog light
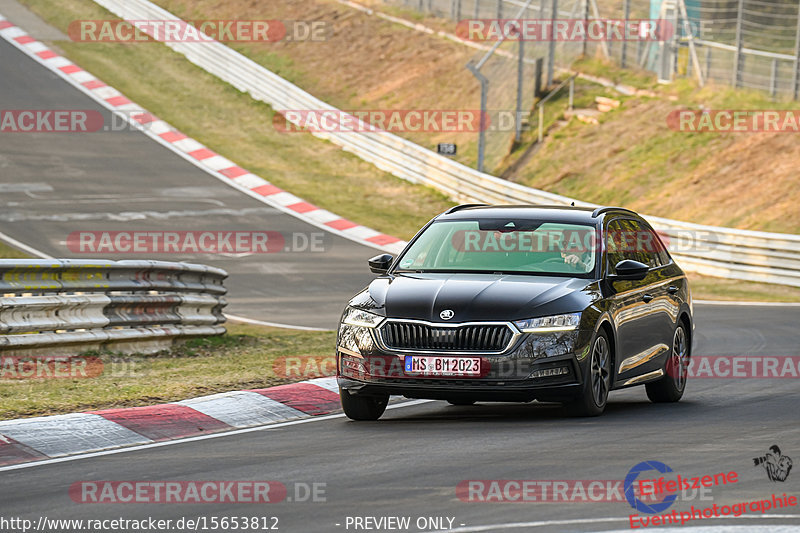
<point x="550" y="372"/>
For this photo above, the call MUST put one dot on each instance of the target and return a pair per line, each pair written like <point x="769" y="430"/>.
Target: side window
<point x="628" y="239"/>
<point x="614" y="246"/>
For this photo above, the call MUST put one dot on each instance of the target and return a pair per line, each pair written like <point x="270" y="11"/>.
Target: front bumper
<point x="546" y="366"/>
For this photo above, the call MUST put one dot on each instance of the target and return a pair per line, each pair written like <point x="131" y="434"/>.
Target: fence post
<point x="571" y="92"/>
<point x="796" y="56"/>
<point x="773" y="78"/>
<point x="477" y="9"/>
<point x="499" y="9"/>
<point x="585" y="26"/>
<point x="708" y="61"/>
<point x="541" y="123"/>
<point x="482" y="133"/>
<point x="551" y="51"/>
<point x="520" y="72"/>
<point x="626" y="13"/>
<point x="738" y="53"/>
<point x="538" y="67"/>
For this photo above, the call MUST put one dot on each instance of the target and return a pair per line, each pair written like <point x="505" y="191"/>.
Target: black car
<point x="519" y="303"/>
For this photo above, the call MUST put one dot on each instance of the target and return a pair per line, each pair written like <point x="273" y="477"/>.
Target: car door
<point x="635" y="303"/>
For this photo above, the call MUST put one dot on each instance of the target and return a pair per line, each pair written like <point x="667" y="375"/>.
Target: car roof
<point x="560" y="213"/>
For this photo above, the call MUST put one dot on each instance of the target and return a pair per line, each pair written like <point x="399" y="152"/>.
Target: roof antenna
<point x="573" y="203"/>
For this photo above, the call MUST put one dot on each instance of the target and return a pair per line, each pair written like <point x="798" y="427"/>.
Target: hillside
<point x="632" y="158"/>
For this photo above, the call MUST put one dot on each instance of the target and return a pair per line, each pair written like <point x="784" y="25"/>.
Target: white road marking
<point x="194" y="439"/>
<point x="272" y="324"/>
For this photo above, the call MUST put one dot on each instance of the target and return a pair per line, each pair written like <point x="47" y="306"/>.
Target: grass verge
<point x="246" y="358"/>
<point x="708" y="288"/>
<point x="9" y="252"/>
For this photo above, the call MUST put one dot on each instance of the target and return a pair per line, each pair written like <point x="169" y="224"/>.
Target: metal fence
<point x="745" y="43"/>
<point x="54" y="307"/>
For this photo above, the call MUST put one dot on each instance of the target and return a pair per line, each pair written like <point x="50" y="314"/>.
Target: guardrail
<point x="724" y="252"/>
<point x="55" y="307"/>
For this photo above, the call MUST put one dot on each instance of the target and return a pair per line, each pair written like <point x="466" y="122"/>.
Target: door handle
<point x="672" y="289"/>
<point x="647" y="298"/>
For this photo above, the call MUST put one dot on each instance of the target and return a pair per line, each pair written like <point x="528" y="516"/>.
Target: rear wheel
<point x="670" y="388"/>
<point x="461" y="402"/>
<point x="592" y="401"/>
<point x="363" y="407"/>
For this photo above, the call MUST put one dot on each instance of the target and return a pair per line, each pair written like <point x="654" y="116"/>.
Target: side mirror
<point x="380" y="263"/>
<point x="630" y="270"/>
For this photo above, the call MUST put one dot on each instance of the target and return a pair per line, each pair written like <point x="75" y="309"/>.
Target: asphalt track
<point x="53" y="184"/>
<point x="410" y="462"/>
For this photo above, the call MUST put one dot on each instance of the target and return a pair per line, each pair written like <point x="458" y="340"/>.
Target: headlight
<point x="357" y="317"/>
<point x="547" y="324"/>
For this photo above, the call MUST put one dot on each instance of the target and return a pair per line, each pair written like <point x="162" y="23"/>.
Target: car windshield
<point x="503" y="246"/>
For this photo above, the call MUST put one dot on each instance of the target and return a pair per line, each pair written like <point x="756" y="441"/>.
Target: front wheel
<point x="363" y="407"/>
<point x="670" y="388"/>
<point x="592" y="401"/>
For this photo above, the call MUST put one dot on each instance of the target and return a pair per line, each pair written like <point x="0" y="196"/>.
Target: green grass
<point x="708" y="288"/>
<point x="9" y="252"/>
<point x="243" y="359"/>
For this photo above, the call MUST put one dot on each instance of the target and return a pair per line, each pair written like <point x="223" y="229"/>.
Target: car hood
<point x="475" y="296"/>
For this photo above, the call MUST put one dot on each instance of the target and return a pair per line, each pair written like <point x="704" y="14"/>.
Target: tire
<point x="670" y="388"/>
<point x="461" y="402"/>
<point x="593" y="400"/>
<point x="363" y="407"/>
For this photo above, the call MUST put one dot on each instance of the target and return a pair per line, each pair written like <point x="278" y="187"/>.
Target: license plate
<point x="434" y="365"/>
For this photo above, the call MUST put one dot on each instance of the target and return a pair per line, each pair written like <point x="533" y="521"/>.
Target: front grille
<point x="424" y="337"/>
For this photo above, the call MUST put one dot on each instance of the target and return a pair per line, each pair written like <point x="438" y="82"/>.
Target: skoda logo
<point x="447" y="314"/>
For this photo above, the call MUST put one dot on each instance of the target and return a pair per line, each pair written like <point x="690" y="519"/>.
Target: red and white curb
<point x="49" y="437"/>
<point x="193" y="151"/>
